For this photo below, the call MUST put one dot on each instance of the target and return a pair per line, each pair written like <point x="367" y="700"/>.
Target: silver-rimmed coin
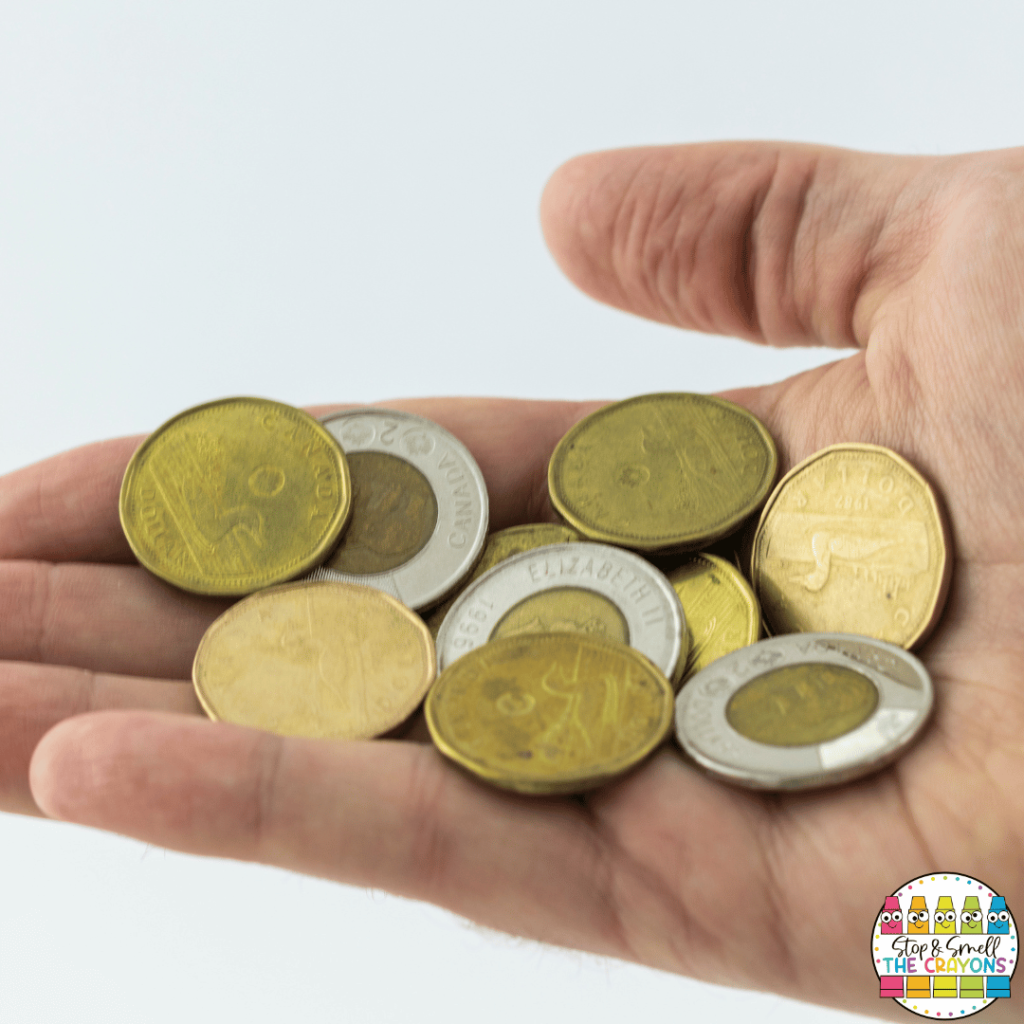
<point x="804" y="710"/>
<point x="419" y="507"/>
<point x="581" y="587"/>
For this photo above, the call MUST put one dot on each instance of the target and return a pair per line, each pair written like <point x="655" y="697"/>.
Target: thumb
<point x="778" y="243"/>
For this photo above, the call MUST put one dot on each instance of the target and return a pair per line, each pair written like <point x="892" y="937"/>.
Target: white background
<point x="337" y="201"/>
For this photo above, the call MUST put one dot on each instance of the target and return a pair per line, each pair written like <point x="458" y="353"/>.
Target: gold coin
<point x="662" y="472"/>
<point x="500" y="545"/>
<point x="394" y="513"/>
<point x="549" y="712"/>
<point x="801" y="704"/>
<point x="235" y="495"/>
<point x="721" y="611"/>
<point x="853" y="540"/>
<point x="321" y="659"/>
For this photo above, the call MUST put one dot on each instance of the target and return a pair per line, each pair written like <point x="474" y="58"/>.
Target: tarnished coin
<point x="853" y="539"/>
<point x="419" y="507"/>
<point x="799" y="711"/>
<point x="721" y="610"/>
<point x="333" y="660"/>
<point x="579" y="588"/>
<point x="235" y="495"/>
<point x="662" y="472"/>
<point x="499" y="546"/>
<point x="549" y="713"/>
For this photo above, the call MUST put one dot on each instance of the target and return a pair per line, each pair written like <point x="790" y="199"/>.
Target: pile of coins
<point x="565" y="652"/>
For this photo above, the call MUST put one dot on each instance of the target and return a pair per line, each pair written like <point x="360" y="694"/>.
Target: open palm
<point x="917" y="262"/>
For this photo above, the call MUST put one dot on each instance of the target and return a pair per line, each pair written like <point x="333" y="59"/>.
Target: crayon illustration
<point x="945" y="917"/>
<point x="919" y="986"/>
<point x="997" y="988"/>
<point x="945" y="987"/>
<point x="998" y="917"/>
<point x="917" y="919"/>
<point x="970" y="917"/>
<point x="890" y="986"/>
<point x="892" y="917"/>
<point x="971" y="987"/>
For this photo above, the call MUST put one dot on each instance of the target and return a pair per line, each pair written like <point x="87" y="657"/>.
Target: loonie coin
<point x="853" y="539"/>
<point x="721" y="610"/>
<point x="579" y="588"/>
<point x="235" y="495"/>
<point x="499" y="546"/>
<point x="662" y="472"/>
<point x="419" y="507"/>
<point x="332" y="660"/>
<point x="549" y="713"/>
<point x="807" y="710"/>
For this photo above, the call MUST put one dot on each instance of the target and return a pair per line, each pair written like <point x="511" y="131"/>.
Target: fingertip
<point x="59" y="771"/>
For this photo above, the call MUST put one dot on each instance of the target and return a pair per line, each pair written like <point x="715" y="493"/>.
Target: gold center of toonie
<point x="394" y="512"/>
<point x="802" y="704"/>
<point x="564" y="610"/>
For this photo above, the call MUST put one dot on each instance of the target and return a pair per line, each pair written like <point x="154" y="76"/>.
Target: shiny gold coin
<point x="235" y="495"/>
<point x="394" y="513"/>
<point x="549" y="712"/>
<point x="321" y="659"/>
<point x="721" y="610"/>
<point x="853" y="540"/>
<point x="661" y="472"/>
<point x="500" y="545"/>
<point x="800" y="704"/>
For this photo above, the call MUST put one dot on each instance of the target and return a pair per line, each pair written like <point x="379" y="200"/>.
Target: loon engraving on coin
<point x="853" y="539"/>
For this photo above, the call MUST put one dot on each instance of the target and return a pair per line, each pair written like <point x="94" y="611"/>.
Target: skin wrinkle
<point x="623" y="224"/>
<point x="269" y="753"/>
<point x="747" y="276"/>
<point x="788" y="962"/>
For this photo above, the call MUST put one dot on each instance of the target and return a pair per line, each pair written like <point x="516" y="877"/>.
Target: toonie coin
<point x="810" y="709"/>
<point x="419" y="507"/>
<point x="580" y="588"/>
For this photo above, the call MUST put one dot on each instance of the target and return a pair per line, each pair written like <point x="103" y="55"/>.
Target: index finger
<point x="66" y="507"/>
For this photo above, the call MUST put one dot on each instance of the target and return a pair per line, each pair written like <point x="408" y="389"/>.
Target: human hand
<point x="913" y="261"/>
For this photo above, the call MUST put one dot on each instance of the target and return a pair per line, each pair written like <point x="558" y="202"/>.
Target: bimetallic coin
<point x="662" y="472"/>
<point x="550" y="712"/>
<point x="580" y="588"/>
<point x="419" y="507"/>
<point x="800" y="711"/>
<point x="853" y="539"/>
<point x="499" y="546"/>
<point x="235" y="495"/>
<point x="333" y="660"/>
<point x="721" y="610"/>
